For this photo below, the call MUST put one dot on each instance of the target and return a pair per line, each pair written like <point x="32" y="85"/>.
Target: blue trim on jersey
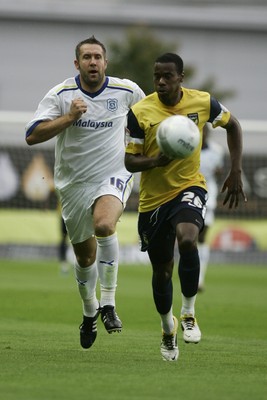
<point x="66" y="89"/>
<point x="105" y="85"/>
<point x="117" y="87"/>
<point x="92" y="95"/>
<point x="133" y="126"/>
<point x="215" y="109"/>
<point x="31" y="128"/>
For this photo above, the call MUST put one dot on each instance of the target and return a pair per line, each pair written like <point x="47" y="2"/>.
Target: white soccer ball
<point x="177" y="137"/>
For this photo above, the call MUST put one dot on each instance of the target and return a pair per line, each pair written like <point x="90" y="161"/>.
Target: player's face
<point x="92" y="65"/>
<point x="167" y="83"/>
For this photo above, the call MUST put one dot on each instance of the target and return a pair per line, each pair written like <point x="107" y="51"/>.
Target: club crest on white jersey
<point x="112" y="104"/>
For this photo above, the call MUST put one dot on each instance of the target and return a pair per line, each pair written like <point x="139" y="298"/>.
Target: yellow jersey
<point x="161" y="184"/>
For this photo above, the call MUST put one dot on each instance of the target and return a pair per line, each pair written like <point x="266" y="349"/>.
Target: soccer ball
<point x="177" y="137"/>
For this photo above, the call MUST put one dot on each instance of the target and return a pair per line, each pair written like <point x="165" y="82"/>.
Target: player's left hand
<point x="234" y="186"/>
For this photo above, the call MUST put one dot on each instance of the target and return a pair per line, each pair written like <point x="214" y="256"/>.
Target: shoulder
<point x="147" y="101"/>
<point x="218" y="114"/>
<point x="67" y="85"/>
<point x="195" y="93"/>
<point x="122" y="84"/>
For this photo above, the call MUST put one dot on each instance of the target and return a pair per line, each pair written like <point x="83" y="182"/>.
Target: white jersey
<point x="93" y="147"/>
<point x="211" y="159"/>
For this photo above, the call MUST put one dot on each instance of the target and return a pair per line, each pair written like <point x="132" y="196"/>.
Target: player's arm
<point x="233" y="183"/>
<point x="46" y="130"/>
<point x="140" y="162"/>
<point x="135" y="160"/>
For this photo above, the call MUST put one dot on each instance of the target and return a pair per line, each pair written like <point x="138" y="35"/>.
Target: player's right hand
<point x="77" y="108"/>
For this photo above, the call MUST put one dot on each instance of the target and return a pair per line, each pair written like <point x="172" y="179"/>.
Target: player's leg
<point x="160" y="238"/>
<point x="110" y="199"/>
<point x="86" y="274"/>
<point x="85" y="271"/>
<point x="187" y="236"/>
<point x="163" y="295"/>
<point x="107" y="211"/>
<point x="77" y="214"/>
<point x="188" y="221"/>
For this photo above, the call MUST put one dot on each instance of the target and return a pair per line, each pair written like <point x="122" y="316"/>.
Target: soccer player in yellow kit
<point x="173" y="193"/>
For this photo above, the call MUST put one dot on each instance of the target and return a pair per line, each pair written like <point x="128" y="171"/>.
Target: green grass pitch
<point x="41" y="357"/>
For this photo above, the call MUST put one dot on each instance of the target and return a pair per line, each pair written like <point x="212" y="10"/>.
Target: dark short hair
<point x="90" y="40"/>
<point x="172" y="58"/>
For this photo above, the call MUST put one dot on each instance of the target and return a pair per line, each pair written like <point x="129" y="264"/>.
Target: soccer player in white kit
<point x="87" y="116"/>
<point x="211" y="166"/>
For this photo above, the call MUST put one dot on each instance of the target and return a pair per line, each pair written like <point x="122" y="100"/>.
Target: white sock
<point x="188" y="305"/>
<point x="86" y="280"/>
<point x="107" y="264"/>
<point x="167" y="323"/>
<point x="204" y="255"/>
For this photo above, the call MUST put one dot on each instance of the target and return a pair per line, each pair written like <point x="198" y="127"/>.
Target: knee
<point x="186" y="245"/>
<point x="85" y="260"/>
<point x="104" y="229"/>
<point x="85" y="252"/>
<point x="164" y="276"/>
<point x="163" y="273"/>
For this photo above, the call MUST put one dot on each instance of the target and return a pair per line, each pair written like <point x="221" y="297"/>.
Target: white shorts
<point x="78" y="199"/>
